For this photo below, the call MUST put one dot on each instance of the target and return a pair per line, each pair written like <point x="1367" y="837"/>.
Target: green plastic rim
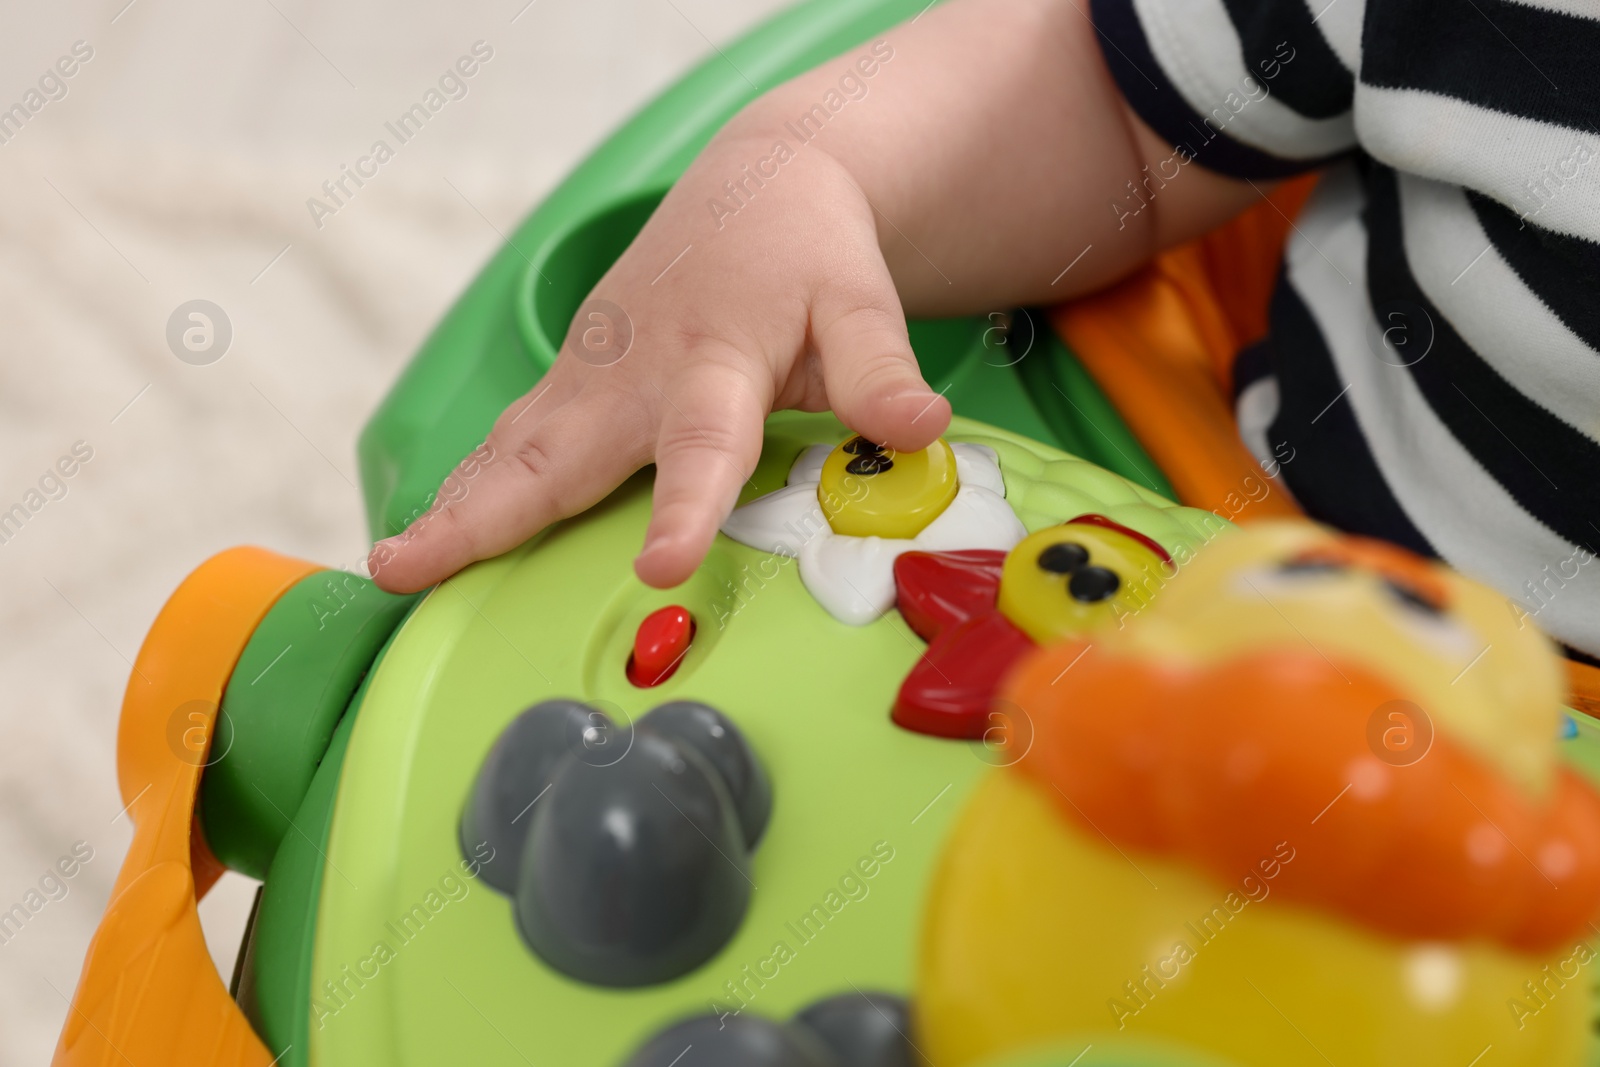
<point x="288" y="692"/>
<point x="282" y="939"/>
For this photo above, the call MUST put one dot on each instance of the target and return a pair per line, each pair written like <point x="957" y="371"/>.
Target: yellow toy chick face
<point x="1482" y="676"/>
<point x="1205" y="808"/>
<point x="1067" y="579"/>
<point x="868" y="490"/>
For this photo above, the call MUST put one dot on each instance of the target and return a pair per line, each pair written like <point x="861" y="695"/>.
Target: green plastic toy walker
<point x="412" y="778"/>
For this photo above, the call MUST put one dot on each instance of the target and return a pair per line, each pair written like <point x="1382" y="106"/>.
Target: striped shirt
<point x="1433" y="363"/>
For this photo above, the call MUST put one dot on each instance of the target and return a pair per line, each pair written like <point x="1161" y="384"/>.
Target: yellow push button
<point x="1066" y="579"/>
<point x="868" y="490"/>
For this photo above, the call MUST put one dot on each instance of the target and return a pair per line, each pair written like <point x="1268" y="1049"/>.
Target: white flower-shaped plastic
<point x="853" y="577"/>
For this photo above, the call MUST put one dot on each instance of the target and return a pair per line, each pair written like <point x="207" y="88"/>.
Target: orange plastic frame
<point x="149" y="994"/>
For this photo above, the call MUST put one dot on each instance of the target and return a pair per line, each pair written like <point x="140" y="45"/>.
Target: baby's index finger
<point x="708" y="446"/>
<point x="560" y="467"/>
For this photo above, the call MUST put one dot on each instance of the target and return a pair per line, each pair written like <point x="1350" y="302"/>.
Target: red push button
<point x="660" y="645"/>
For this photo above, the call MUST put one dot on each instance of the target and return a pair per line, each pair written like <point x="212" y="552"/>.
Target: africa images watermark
<point x="738" y="592"/>
<point x="452" y="85"/>
<point x="852" y="86"/>
<point x="1142" y="988"/>
<point x="1250" y="90"/>
<point x="453" y="490"/>
<point x="337" y="993"/>
<point x="54" y="885"/>
<point x="199" y="332"/>
<point x="853" y="886"/>
<point x="1537" y="993"/>
<point x="52" y="86"/>
<point x="52" y="485"/>
<point x="1541" y="590"/>
<point x="1251" y="490"/>
<point x="1554" y="179"/>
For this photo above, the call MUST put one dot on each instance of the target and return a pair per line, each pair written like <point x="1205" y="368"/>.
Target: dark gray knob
<point x="634" y="872"/>
<point x="715" y="737"/>
<point x="863" y="1029"/>
<point x="731" y="1041"/>
<point x="514" y="775"/>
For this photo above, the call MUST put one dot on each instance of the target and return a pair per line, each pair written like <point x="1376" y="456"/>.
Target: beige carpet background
<point x="177" y="166"/>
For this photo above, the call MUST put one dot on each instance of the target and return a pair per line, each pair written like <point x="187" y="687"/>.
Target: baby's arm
<point x="982" y="160"/>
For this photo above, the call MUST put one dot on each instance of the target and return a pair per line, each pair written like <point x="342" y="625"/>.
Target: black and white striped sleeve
<point x="1466" y="224"/>
<point x="1502" y="97"/>
<point x="1248" y="88"/>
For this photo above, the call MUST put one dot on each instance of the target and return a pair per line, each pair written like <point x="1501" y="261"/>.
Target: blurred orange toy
<point x="1306" y="808"/>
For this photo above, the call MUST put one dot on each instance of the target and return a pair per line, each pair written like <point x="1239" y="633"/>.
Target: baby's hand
<point x="980" y="153"/>
<point x="787" y="303"/>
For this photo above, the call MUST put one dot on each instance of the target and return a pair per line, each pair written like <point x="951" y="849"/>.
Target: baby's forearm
<point x="991" y="141"/>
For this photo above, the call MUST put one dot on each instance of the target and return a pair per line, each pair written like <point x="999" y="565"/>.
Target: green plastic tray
<point x="555" y="618"/>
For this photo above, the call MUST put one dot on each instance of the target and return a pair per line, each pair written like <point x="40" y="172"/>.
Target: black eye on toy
<point x="869" y="457"/>
<point x="1086" y="583"/>
<point x="1091" y="584"/>
<point x="1313" y="566"/>
<point x="1412" y="597"/>
<point x="1063" y="557"/>
<point x="626" y="850"/>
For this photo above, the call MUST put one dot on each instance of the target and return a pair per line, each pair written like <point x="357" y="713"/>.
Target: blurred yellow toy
<point x="1305" y="808"/>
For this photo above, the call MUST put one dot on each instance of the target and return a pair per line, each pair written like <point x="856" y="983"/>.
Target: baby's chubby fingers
<point x="530" y="477"/>
<point x="708" y="445"/>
